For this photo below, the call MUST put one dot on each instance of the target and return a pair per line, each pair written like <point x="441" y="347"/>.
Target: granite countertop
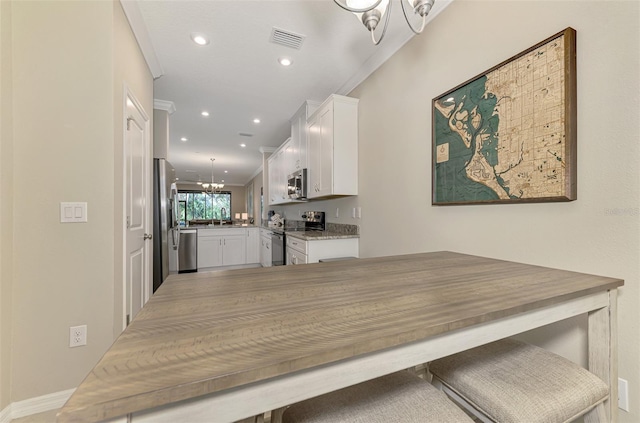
<point x="319" y="235"/>
<point x="296" y="229"/>
<point x="225" y="226"/>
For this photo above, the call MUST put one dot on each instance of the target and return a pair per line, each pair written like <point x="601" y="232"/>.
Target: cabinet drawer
<point x="295" y="257"/>
<point x="297" y="244"/>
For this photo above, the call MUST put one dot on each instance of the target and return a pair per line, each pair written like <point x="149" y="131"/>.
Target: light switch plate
<point x="73" y="212"/>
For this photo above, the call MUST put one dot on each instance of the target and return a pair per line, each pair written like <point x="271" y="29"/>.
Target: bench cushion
<point x="400" y="397"/>
<point x="511" y="381"/>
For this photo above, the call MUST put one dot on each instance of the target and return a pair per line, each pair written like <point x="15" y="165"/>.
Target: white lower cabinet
<point x="234" y="249"/>
<point x="253" y="245"/>
<point x="300" y="251"/>
<point x="227" y="247"/>
<point x="209" y="251"/>
<point x="265" y="248"/>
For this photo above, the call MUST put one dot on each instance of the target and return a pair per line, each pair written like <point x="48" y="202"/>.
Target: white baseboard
<point x="34" y="405"/>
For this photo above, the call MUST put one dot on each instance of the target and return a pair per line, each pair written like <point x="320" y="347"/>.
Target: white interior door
<point x="137" y="261"/>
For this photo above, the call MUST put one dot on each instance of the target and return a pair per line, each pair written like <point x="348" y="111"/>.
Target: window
<point x="196" y="205"/>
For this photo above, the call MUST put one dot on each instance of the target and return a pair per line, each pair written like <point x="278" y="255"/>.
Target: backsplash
<point x="338" y="228"/>
<point x="343" y="229"/>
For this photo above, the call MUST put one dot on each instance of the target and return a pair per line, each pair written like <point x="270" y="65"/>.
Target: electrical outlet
<point x="623" y="394"/>
<point x="77" y="336"/>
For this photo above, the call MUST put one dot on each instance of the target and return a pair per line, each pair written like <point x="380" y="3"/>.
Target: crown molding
<point x="132" y="12"/>
<point x="165" y="105"/>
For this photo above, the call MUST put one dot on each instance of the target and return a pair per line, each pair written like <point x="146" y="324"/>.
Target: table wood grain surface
<point x="206" y="332"/>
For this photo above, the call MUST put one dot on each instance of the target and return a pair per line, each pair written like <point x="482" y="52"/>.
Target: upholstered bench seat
<point x="512" y="382"/>
<point x="400" y="397"/>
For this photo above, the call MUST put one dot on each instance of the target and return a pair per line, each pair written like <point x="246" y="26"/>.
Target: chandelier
<point x="212" y="188"/>
<point x="371" y="12"/>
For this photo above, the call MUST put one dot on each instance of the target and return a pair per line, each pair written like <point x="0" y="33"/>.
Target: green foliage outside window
<point x="201" y="206"/>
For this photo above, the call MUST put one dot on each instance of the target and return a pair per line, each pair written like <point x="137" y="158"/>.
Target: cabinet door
<point x="283" y="194"/>
<point x="290" y="152"/>
<point x="209" y="251"/>
<point x="326" y="152"/>
<point x="321" y="153"/>
<point x="273" y="179"/>
<point x="253" y="246"/>
<point x="234" y="250"/>
<point x="314" y="158"/>
<point x="266" y="251"/>
<point x="296" y="143"/>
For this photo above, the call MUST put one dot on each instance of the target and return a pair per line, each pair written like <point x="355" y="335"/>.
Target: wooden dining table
<point x="224" y="346"/>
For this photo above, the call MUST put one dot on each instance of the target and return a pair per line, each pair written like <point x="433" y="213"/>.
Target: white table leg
<point x="603" y="355"/>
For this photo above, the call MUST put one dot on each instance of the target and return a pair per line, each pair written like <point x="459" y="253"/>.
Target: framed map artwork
<point x="509" y="134"/>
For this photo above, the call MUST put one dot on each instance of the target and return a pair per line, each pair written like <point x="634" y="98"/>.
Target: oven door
<point x="277" y="249"/>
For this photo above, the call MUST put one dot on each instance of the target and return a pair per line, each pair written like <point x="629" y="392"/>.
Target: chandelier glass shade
<point x="213" y="187"/>
<point x="371" y="12"/>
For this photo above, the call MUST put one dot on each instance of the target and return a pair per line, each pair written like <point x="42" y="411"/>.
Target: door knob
<point x="147" y="236"/>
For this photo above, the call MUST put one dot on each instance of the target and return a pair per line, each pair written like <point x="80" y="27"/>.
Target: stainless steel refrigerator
<point x="166" y="225"/>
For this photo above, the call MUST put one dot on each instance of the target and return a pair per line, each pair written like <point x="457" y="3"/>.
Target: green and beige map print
<point x="501" y="137"/>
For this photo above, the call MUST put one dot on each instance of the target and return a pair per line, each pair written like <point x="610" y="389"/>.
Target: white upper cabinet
<point x="299" y="136"/>
<point x="277" y="175"/>
<point x="333" y="148"/>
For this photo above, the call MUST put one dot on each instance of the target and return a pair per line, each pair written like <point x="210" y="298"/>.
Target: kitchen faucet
<point x="223" y="211"/>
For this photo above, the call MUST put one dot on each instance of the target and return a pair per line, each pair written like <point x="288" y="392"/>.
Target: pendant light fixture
<point x="371" y="12"/>
<point x="212" y="188"/>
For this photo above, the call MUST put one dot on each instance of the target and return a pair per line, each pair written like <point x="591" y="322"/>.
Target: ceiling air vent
<point x="286" y="38"/>
<point x="245" y="134"/>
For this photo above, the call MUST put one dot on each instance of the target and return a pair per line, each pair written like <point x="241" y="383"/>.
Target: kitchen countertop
<point x="225" y="226"/>
<point x="319" y="235"/>
<point x="234" y="328"/>
<point x="333" y="231"/>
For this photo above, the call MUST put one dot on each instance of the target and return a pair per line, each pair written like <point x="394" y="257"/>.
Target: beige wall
<point x="71" y="63"/>
<point x="599" y="233"/>
<point x="160" y="134"/>
<point x="6" y="195"/>
<point x="257" y="186"/>
<point x="63" y="151"/>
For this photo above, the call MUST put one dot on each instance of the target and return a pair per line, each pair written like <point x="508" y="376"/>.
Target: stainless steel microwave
<point x="297" y="185"/>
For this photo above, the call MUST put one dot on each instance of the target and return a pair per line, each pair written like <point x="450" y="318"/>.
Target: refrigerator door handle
<point x="175" y="237"/>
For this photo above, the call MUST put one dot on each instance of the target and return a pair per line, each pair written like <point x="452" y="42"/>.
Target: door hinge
<point x="128" y="223"/>
<point x="128" y="319"/>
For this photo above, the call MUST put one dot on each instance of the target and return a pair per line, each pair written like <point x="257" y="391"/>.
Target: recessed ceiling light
<point x="285" y="61"/>
<point x="226" y="171"/>
<point x="183" y="139"/>
<point x="256" y="120"/>
<point x="243" y="145"/>
<point x="200" y="39"/>
<point x="205" y="113"/>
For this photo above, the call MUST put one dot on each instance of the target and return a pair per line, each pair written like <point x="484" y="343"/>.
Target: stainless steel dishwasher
<point x="188" y="251"/>
<point x="278" y="246"/>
